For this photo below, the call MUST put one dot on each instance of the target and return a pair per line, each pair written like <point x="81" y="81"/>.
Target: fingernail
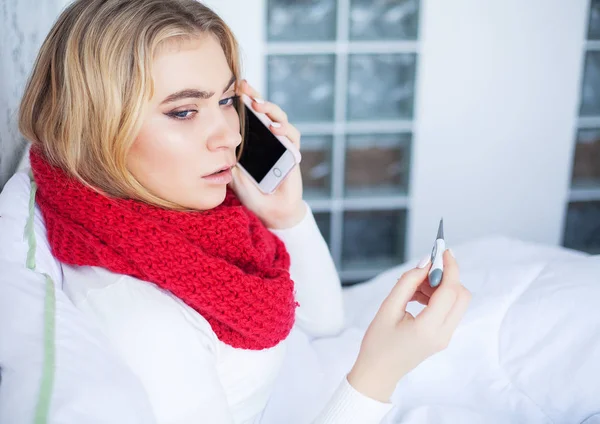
<point x="276" y="125"/>
<point x="258" y="100"/>
<point x="452" y="253"/>
<point x="424" y="262"/>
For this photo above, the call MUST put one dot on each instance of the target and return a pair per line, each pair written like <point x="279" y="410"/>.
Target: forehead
<point x="197" y="62"/>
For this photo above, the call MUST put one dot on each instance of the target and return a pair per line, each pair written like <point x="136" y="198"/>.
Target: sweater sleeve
<point x="349" y="406"/>
<point x="317" y="284"/>
<point x="319" y="293"/>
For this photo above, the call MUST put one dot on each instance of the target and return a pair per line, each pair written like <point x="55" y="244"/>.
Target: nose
<point x="225" y="134"/>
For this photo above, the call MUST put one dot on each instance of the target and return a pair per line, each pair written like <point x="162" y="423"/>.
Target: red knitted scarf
<point x="222" y="262"/>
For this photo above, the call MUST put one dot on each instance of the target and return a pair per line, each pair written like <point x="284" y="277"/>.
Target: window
<point x="582" y="226"/>
<point x="345" y="73"/>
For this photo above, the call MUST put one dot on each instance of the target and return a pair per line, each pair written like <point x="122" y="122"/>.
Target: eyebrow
<point x="188" y="93"/>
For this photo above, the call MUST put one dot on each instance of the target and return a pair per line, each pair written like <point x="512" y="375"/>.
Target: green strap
<point x="29" y="234"/>
<point x="47" y="383"/>
<point x="45" y="393"/>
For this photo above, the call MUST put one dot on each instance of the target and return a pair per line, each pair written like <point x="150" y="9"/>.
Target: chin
<point x="209" y="198"/>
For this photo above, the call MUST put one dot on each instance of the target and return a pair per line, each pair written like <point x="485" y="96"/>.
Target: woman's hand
<point x="285" y="207"/>
<point x="424" y="292"/>
<point x="396" y="341"/>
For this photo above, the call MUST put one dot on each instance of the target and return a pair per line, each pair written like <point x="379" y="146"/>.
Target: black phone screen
<point x="261" y="149"/>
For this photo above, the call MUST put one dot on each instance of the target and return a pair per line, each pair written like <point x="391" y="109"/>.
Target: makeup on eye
<point x="186" y="114"/>
<point x="229" y="101"/>
<point x="182" y="115"/>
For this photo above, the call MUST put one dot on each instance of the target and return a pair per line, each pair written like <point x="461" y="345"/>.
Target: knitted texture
<point x="222" y="262"/>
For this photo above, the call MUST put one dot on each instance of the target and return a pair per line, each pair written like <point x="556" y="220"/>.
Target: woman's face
<point x="191" y="128"/>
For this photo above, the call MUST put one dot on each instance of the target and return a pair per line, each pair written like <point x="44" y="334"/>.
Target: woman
<point x="195" y="276"/>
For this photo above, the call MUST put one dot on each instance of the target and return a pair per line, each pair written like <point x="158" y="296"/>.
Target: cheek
<point x="233" y="119"/>
<point x="161" y="139"/>
<point x="161" y="153"/>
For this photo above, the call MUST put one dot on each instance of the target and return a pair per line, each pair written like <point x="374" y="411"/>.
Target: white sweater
<point x="190" y="376"/>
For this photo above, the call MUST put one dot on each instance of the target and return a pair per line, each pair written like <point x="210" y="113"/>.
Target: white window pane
<point x="582" y="231"/>
<point x="586" y="166"/>
<point x="384" y="19"/>
<point x="377" y="164"/>
<point x="316" y="166"/>
<point x="302" y="85"/>
<point x="590" y="96"/>
<point x="594" y="28"/>
<point x="381" y="86"/>
<point x="307" y="20"/>
<point x="373" y="239"/>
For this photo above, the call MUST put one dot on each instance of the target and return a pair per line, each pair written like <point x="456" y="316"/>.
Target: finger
<point x="395" y="303"/>
<point x="451" y="273"/>
<point x="235" y="178"/>
<point x="408" y="316"/>
<point x="239" y="181"/>
<point x="274" y="112"/>
<point x="458" y="310"/>
<point x="444" y="296"/>
<point x="426" y="289"/>
<point x="440" y="304"/>
<point x="289" y="131"/>
<point x="422" y="289"/>
<point x="421" y="298"/>
<point x="246" y="88"/>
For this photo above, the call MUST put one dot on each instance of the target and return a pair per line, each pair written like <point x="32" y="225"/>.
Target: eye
<point x="182" y="115"/>
<point x="228" y="101"/>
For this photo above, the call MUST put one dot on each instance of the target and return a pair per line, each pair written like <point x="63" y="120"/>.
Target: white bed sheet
<point x="527" y="350"/>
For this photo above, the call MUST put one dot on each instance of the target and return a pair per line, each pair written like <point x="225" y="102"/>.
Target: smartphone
<point x="266" y="158"/>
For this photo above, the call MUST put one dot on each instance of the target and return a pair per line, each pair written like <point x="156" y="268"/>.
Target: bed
<point x="527" y="350"/>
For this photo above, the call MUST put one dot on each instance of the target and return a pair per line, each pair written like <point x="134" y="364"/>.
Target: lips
<point x="227" y="168"/>
<point x="218" y="171"/>
<point x="220" y="176"/>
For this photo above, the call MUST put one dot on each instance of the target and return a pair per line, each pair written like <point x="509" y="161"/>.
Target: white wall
<point x="247" y="19"/>
<point x="21" y="35"/>
<point x="497" y="100"/>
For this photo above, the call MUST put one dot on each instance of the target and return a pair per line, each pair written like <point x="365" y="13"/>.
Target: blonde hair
<point x="84" y="101"/>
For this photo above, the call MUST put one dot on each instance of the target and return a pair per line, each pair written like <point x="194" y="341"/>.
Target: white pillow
<point x="76" y="369"/>
<point x="549" y="341"/>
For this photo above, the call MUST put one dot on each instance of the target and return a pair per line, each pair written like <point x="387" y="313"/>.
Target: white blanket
<point x="527" y="350"/>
